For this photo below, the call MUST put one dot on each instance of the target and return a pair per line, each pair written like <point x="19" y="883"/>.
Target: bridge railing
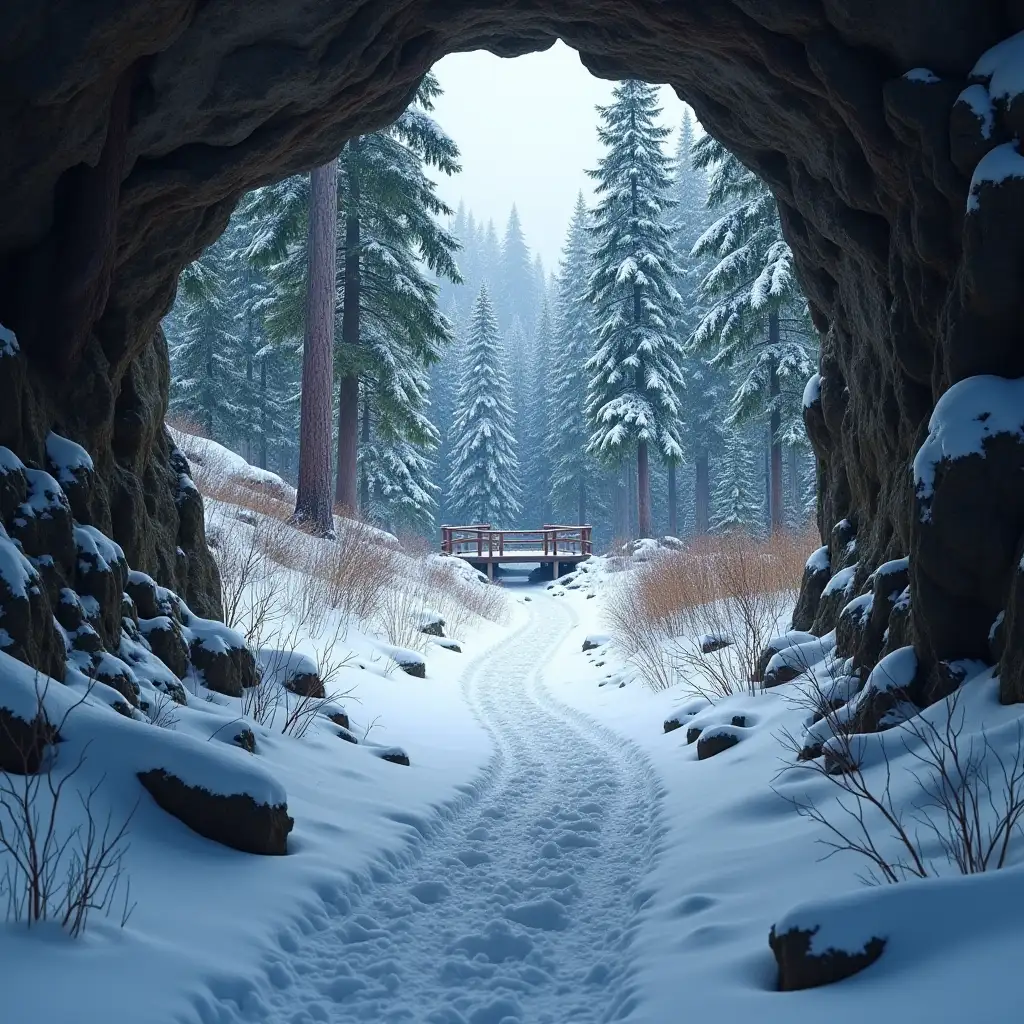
<point x="482" y="541"/>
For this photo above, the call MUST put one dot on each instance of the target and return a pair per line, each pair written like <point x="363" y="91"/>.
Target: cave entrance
<point x="137" y="132"/>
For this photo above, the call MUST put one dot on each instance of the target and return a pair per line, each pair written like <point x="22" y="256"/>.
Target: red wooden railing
<point x="550" y="541"/>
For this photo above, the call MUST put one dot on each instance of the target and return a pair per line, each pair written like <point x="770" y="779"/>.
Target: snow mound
<point x="228" y="467"/>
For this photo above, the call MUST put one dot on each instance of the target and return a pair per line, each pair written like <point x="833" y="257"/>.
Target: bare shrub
<point x="358" y="570"/>
<point x="434" y="587"/>
<point x="163" y="713"/>
<point x="55" y="873"/>
<point x="968" y="803"/>
<point x="270" y="704"/>
<point x="639" y="635"/>
<point x="710" y="607"/>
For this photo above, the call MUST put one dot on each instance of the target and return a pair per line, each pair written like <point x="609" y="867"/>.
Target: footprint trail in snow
<point x="519" y="908"/>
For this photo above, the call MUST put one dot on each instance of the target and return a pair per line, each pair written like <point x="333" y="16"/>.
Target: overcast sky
<point x="527" y="131"/>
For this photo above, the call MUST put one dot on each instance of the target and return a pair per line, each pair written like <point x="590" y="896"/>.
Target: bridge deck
<point x="481" y="545"/>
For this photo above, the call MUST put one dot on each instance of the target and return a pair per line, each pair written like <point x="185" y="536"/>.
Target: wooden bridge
<point x="484" y="547"/>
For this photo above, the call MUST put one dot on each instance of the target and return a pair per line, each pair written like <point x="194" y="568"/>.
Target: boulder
<point x="800" y="968"/>
<point x="246" y="739"/>
<point x="693" y="733"/>
<point x="226" y="664"/>
<point x="234" y="820"/>
<point x="23" y="743"/>
<point x="817" y="572"/>
<point x="432" y="626"/>
<point x="888" y="582"/>
<point x="709" y="644"/>
<point x="30" y="632"/>
<point x="779" y="643"/>
<point x="305" y="684"/>
<point x="13" y="484"/>
<point x="448" y="645"/>
<point x="714" y="741"/>
<point x="166" y="640"/>
<point x="340" y="718"/>
<point x="395" y="756"/>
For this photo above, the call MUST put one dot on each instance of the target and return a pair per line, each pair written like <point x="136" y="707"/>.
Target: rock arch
<point x="131" y="127"/>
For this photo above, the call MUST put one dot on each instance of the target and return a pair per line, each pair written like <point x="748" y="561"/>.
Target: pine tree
<point x="756" y="323"/>
<point x="392" y="329"/>
<point x="539" y="427"/>
<point x="313" y="507"/>
<point x="203" y="344"/>
<point x="484" y="485"/>
<point x="573" y="469"/>
<point x="736" y="503"/>
<point x="635" y="380"/>
<point x="443" y="384"/>
<point x="516" y="296"/>
<point x="489" y="249"/>
<point x="517" y="359"/>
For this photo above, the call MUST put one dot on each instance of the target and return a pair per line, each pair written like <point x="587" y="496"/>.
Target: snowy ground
<point x="551" y="855"/>
<point x="735" y="859"/>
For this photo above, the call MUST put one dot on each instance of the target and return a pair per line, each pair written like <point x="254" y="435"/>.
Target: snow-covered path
<point x="519" y="904"/>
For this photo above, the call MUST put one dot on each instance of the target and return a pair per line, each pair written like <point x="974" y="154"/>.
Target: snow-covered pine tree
<point x="756" y="323"/>
<point x="572" y="473"/>
<point x="535" y="458"/>
<point x="489" y="250"/>
<point x="263" y="424"/>
<point x="392" y="329"/>
<point x="737" y="503"/>
<point x="706" y="403"/>
<point x="516" y="293"/>
<point x="541" y="285"/>
<point x="444" y="376"/>
<point x="635" y="381"/>
<point x="484" y="481"/>
<point x="517" y="358"/>
<point x="203" y="344"/>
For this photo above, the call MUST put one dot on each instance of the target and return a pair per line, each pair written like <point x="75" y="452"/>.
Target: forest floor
<point x="521" y="906"/>
<point x="550" y="855"/>
<point x="594" y="870"/>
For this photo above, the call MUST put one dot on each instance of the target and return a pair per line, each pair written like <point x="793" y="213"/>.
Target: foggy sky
<point x="527" y="131"/>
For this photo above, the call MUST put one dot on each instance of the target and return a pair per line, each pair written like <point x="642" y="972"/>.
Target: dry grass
<point x="730" y="587"/>
<point x="435" y="587"/>
<point x="364" y="574"/>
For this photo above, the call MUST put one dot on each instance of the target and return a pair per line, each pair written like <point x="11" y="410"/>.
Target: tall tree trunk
<point x="581" y="502"/>
<point x="621" y="506"/>
<point x="794" y="482"/>
<point x="702" y="495"/>
<point x="643" y="491"/>
<point x="631" y="502"/>
<point x="264" y="414"/>
<point x="673" y="514"/>
<point x="345" y="490"/>
<point x="778" y="517"/>
<point x="364" y="482"/>
<point x="313" y="501"/>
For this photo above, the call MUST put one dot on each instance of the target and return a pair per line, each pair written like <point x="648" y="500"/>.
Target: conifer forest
<point x="650" y="384"/>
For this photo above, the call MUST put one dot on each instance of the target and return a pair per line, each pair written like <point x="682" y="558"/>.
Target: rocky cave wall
<point x="131" y="128"/>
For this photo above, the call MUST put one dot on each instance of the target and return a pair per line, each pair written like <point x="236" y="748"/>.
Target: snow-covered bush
<point x="933" y="792"/>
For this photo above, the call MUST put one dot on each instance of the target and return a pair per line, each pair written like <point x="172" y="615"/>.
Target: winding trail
<point x="519" y="904"/>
